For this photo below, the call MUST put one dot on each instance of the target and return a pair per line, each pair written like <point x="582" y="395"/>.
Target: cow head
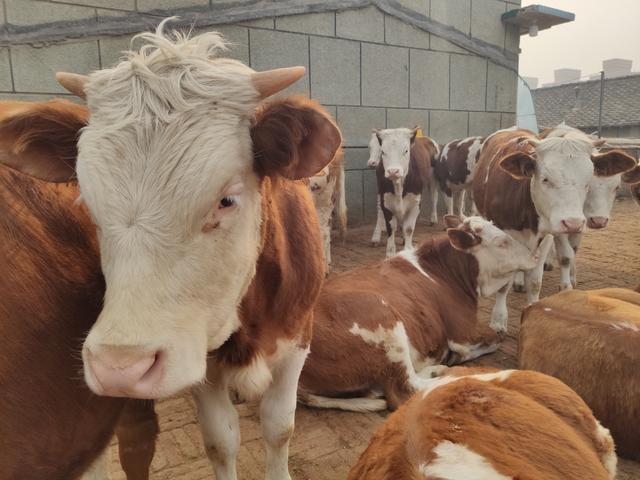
<point x="395" y="151"/>
<point x="171" y="167"/>
<point x="374" y="150"/>
<point x="560" y="170"/>
<point x="318" y="183"/>
<point x="632" y="177"/>
<point x="498" y="254"/>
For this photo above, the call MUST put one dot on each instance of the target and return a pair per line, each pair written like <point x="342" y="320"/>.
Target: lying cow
<point x="211" y="252"/>
<point x="591" y="341"/>
<point x="453" y="169"/>
<point x="386" y="327"/>
<point x="477" y="423"/>
<point x="327" y="188"/>
<point x="530" y="187"/>
<point x="51" y="425"/>
<point x="404" y="168"/>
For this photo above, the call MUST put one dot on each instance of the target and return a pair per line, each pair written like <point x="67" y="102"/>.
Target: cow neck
<point x="459" y="270"/>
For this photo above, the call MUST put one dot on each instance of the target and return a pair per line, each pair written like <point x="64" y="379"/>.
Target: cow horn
<point x="73" y="82"/>
<point x="271" y="82"/>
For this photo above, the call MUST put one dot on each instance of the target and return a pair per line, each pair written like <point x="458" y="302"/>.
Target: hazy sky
<point x="602" y="29"/>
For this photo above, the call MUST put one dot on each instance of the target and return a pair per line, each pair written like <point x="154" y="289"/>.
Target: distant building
<point x="532" y="82"/>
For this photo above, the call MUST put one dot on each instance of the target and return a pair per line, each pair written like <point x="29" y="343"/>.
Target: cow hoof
<point x="548" y="267"/>
<point x="518" y="288"/>
<point x="375" y="243"/>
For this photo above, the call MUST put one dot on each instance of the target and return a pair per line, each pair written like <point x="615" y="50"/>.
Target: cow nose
<point x="573" y="225"/>
<point x="393" y="173"/>
<point x="124" y="371"/>
<point x="597" y="222"/>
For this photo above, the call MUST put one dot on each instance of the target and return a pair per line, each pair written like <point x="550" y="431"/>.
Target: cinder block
<point x="468" y="82"/>
<point x="5" y="70"/>
<point x="429" y="84"/>
<point x="31" y="12"/>
<point x="442" y="45"/>
<point x="34" y="68"/>
<point x="398" y="32"/>
<point x="356" y="158"/>
<point x="312" y="23"/>
<point x="112" y="49"/>
<point x="369" y="196"/>
<point x="361" y="24"/>
<point x="37" y="97"/>
<point x="502" y="89"/>
<point x="353" y="190"/>
<point x="483" y="123"/>
<point x="2" y="19"/>
<point x="335" y="71"/>
<point x="332" y="109"/>
<point x="356" y="124"/>
<point x="117" y="4"/>
<point x="407" y="118"/>
<point x="268" y="22"/>
<point x="486" y="21"/>
<point x="385" y="76"/>
<point x="146" y="5"/>
<point x="512" y="40"/>
<point x="456" y="13"/>
<point x="420" y="6"/>
<point x="273" y="49"/>
<point x="508" y="120"/>
<point x="448" y="125"/>
<point x="238" y="38"/>
<point x="105" y="15"/>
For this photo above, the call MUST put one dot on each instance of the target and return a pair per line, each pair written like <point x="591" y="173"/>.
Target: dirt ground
<point x="328" y="442"/>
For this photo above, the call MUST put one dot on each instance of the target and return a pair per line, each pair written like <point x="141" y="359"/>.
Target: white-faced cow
<point x="483" y="424"/>
<point x="211" y="252"/>
<point x="530" y="187"/>
<point x="329" y="196"/>
<point x="453" y="169"/>
<point x="386" y="327"/>
<point x="51" y="425"/>
<point x="404" y="168"/>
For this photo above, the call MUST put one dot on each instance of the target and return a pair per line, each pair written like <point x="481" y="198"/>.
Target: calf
<point x="386" y="327"/>
<point x="632" y="177"/>
<point x="453" y="169"/>
<point x="51" y="425"/>
<point x="210" y="246"/>
<point x="591" y="341"/>
<point x="404" y="168"/>
<point x="478" y="423"/>
<point x="530" y="187"/>
<point x="327" y="188"/>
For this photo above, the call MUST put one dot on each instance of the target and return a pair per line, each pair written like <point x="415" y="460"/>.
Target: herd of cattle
<point x="163" y="237"/>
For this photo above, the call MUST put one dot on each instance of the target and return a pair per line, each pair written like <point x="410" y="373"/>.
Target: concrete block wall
<point x="369" y="69"/>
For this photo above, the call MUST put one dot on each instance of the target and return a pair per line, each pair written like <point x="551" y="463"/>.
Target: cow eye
<point x="406" y="151"/>
<point x="227" y="202"/>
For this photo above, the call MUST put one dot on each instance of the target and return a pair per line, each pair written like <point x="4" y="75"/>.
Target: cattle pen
<point x="327" y="443"/>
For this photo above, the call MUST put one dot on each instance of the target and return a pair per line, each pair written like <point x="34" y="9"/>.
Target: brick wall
<point x="369" y="69"/>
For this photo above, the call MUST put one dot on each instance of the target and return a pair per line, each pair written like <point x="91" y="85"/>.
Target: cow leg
<point x="99" y="469"/>
<point x="432" y="371"/>
<point x="574" y="240"/>
<point x="137" y="431"/>
<point x="448" y="201"/>
<point x="566" y="258"/>
<point x="518" y="283"/>
<point x="277" y="413"/>
<point x="392" y="226"/>
<point x="409" y="223"/>
<point x="220" y="428"/>
<point x="377" y="232"/>
<point x="471" y="202"/>
<point x="458" y="202"/>
<point x="500" y="313"/>
<point x="433" y="196"/>
<point x="326" y="240"/>
<point x="533" y="283"/>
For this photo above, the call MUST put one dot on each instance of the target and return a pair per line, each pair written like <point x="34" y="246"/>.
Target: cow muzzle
<point x="597" y="222"/>
<point x="573" y="225"/>
<point x="123" y="371"/>
<point x="393" y="173"/>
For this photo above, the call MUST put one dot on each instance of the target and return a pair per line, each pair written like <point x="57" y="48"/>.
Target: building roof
<point x="578" y="103"/>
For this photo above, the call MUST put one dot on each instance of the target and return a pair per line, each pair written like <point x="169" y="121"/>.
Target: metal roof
<point x="539" y="15"/>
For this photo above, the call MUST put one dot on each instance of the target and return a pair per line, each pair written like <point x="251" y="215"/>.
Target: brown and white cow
<point x="591" y="341"/>
<point x="453" y="169"/>
<point x="405" y="167"/>
<point x="531" y="187"/>
<point x="51" y="425"/>
<point x="329" y="196"/>
<point x="483" y="424"/>
<point x="632" y="177"/>
<point x="386" y="327"/>
<point x="210" y="249"/>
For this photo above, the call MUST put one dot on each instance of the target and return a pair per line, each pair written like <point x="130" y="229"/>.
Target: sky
<point x="602" y="29"/>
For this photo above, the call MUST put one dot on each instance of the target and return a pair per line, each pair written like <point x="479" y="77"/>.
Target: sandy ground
<point x="328" y="442"/>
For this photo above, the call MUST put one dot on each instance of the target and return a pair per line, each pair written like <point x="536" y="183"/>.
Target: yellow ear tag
<point x="419" y="133"/>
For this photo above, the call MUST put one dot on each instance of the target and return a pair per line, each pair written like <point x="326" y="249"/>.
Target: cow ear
<point x="452" y="221"/>
<point x="41" y="140"/>
<point x="294" y="138"/>
<point x="462" y="240"/>
<point x="519" y="165"/>
<point x="632" y="176"/>
<point x="611" y="163"/>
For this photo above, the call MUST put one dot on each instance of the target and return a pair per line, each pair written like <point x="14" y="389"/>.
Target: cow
<point x="530" y="187"/>
<point x="453" y="169"/>
<point x="632" y="177"/>
<point x="386" y="327"/>
<point x="591" y="341"/>
<point x="478" y="423"/>
<point x="329" y="196"/>
<point x="404" y="168"/>
<point x="209" y="241"/>
<point x="51" y="425"/>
